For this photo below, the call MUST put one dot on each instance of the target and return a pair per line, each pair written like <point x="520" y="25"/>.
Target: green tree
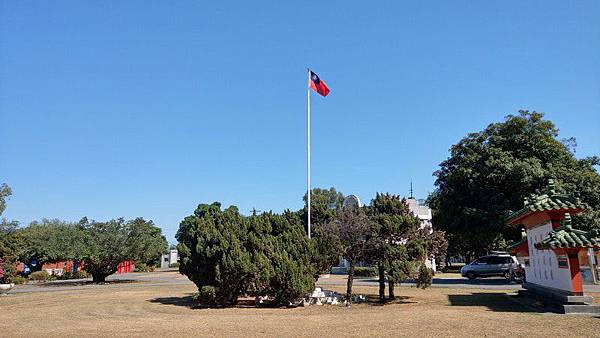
<point x="489" y="173"/>
<point x="227" y="255"/>
<point x="392" y="223"/>
<point x="147" y="241"/>
<point x="106" y="244"/>
<point x="351" y="228"/>
<point x="11" y="241"/>
<point x="5" y="192"/>
<point x="50" y="240"/>
<point x="213" y="254"/>
<point x="325" y="203"/>
<point x="282" y="255"/>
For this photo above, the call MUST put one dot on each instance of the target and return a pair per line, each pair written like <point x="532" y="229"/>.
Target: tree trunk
<point x="350" y="280"/>
<point x="99" y="277"/>
<point x="391" y="296"/>
<point x="381" y="282"/>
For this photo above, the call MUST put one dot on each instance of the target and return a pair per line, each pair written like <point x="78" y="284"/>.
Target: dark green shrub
<point x="365" y="271"/>
<point x="141" y="267"/>
<point x="206" y="296"/>
<point x="18" y="280"/>
<point x="174" y="265"/>
<point x="425" y="277"/>
<point x="80" y="274"/>
<point x="227" y="255"/>
<point x="41" y="276"/>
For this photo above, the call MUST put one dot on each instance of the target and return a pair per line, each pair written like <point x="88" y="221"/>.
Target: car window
<point x="497" y="260"/>
<point x="483" y="260"/>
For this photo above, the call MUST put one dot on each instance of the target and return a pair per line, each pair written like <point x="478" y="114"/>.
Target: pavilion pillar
<point x="576" y="283"/>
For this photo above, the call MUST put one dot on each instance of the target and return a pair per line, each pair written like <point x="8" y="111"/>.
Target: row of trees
<point x="228" y="255"/>
<point x="100" y="246"/>
<point x="490" y="172"/>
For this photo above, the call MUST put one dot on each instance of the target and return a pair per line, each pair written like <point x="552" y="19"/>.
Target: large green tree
<point x="227" y="255"/>
<point x="398" y="244"/>
<point x="489" y="173"/>
<point x="106" y="244"/>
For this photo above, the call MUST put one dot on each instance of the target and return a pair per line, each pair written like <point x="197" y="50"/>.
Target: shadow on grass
<point x="374" y="300"/>
<point x="497" y="302"/>
<point x="188" y="301"/>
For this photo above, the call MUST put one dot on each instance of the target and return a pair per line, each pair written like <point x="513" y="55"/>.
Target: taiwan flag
<point x="317" y="85"/>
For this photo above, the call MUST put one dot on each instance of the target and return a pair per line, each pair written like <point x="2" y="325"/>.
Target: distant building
<point x="169" y="258"/>
<point x="423" y="212"/>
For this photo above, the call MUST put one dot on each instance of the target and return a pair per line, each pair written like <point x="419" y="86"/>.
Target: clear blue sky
<point x="147" y="108"/>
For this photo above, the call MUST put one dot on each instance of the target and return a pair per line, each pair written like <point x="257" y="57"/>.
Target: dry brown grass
<point x="164" y="311"/>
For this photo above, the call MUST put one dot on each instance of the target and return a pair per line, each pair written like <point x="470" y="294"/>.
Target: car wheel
<point x="471" y="275"/>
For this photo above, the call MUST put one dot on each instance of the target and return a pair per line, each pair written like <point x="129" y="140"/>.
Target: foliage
<point x="11" y="241"/>
<point x="73" y="275"/>
<point x="398" y="243"/>
<point x="146" y="241"/>
<point x="212" y="251"/>
<point x="365" y="271"/>
<point x="424" y="277"/>
<point x="106" y="244"/>
<point x="489" y="173"/>
<point x="323" y="205"/>
<point x="5" y="192"/>
<point x="143" y="267"/>
<point x="174" y="265"/>
<point x="40" y="276"/>
<point x="226" y="255"/>
<point x="282" y="253"/>
<point x="7" y="271"/>
<point x="351" y="227"/>
<point x="50" y="241"/>
<point x="18" y="280"/>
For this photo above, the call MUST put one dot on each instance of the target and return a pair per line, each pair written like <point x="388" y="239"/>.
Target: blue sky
<point x="138" y="108"/>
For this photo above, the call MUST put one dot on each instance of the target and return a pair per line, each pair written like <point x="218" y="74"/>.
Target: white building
<point x="423" y="212"/>
<point x="169" y="258"/>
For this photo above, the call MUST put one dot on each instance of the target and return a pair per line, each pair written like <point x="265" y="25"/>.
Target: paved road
<point x="171" y="277"/>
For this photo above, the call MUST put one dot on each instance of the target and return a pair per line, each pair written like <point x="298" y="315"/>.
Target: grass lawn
<point x="164" y="310"/>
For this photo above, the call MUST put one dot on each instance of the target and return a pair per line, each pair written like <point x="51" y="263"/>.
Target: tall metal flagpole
<point x="308" y="152"/>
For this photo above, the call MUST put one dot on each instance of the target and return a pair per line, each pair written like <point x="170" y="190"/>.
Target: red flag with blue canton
<point x="317" y="85"/>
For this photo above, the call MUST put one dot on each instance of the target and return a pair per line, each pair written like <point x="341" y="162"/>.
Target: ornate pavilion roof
<point x="567" y="237"/>
<point x="549" y="201"/>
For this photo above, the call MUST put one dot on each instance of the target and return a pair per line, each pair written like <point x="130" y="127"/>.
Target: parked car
<point x="487" y="266"/>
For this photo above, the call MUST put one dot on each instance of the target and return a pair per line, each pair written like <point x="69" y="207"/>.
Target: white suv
<point x="493" y="265"/>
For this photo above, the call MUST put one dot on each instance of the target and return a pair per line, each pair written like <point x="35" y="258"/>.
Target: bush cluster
<point x="228" y="255"/>
<point x="40" y="276"/>
<point x="365" y="271"/>
<point x="18" y="280"/>
<point x="74" y="275"/>
<point x="142" y="267"/>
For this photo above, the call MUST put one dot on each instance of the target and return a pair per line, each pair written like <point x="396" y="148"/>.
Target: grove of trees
<point x="100" y="246"/>
<point x="228" y="255"/>
<point x="489" y="173"/>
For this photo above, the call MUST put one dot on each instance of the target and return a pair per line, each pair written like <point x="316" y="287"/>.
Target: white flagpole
<point x="308" y="153"/>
